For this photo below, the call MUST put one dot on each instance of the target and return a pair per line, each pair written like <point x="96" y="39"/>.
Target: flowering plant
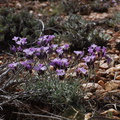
<point x="46" y="68"/>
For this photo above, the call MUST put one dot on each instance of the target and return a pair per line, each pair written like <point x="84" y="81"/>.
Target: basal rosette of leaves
<point x="114" y="21"/>
<point x="75" y="6"/>
<point x="81" y="33"/>
<point x="85" y="7"/>
<point x="103" y="5"/>
<point x="21" y="24"/>
<point x="44" y="70"/>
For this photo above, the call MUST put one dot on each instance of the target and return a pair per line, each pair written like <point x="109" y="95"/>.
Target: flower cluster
<point x="45" y="40"/>
<point x="40" y="68"/>
<point x="44" y="43"/>
<point x="60" y="64"/>
<point x="94" y="53"/>
<point x="20" y="44"/>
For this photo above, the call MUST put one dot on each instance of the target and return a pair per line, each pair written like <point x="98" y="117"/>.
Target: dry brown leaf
<point x="116" y="57"/>
<point x="87" y="116"/>
<point x="88" y="95"/>
<point x="113" y="111"/>
<point x="100" y="92"/>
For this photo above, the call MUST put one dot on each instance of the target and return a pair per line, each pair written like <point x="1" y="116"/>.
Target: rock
<point x="117" y="77"/>
<point x="117" y="67"/>
<point x="103" y="65"/>
<point x="111" y="51"/>
<point x="102" y="73"/>
<point x="97" y="78"/>
<point x="91" y="86"/>
<point x="111" y="85"/>
<point x="112" y="69"/>
<point x="101" y="82"/>
<point x="82" y="64"/>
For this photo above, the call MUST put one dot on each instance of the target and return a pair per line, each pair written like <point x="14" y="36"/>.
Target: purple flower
<point x="59" y="51"/>
<point x="81" y="70"/>
<point x="27" y="65"/>
<point x="15" y="38"/>
<point x="51" y="37"/>
<point x="19" y="48"/>
<point x="13" y="48"/>
<point x="113" y="1"/>
<point x="86" y="59"/>
<point x="98" y="48"/>
<point x="93" y="46"/>
<point x="108" y="60"/>
<point x="79" y="53"/>
<point x="56" y="62"/>
<point x="106" y="4"/>
<point x="53" y="46"/>
<point x="44" y="49"/>
<point x="92" y="57"/>
<point x="45" y="40"/>
<point x="29" y="51"/>
<point x="60" y="63"/>
<point x="64" y="62"/>
<point x="90" y="50"/>
<point x="27" y="62"/>
<point x="22" y="41"/>
<point x="40" y="68"/>
<point x="61" y="74"/>
<point x="41" y="52"/>
<point x="104" y="51"/>
<point x="90" y="60"/>
<point x="65" y="47"/>
<point x="13" y="65"/>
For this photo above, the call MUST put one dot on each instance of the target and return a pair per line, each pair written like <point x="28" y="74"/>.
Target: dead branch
<point x="37" y="115"/>
<point x="52" y="114"/>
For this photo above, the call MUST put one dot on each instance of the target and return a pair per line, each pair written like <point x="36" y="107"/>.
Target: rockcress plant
<point x="38" y="60"/>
